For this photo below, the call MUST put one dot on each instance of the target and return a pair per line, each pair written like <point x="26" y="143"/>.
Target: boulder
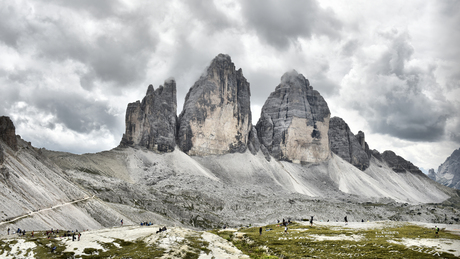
<point x="216" y="118"/>
<point x="348" y="146"/>
<point x="294" y="122"/>
<point x="152" y="122"/>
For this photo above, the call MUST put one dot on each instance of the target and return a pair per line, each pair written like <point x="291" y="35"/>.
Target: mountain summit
<point x="216" y="118"/>
<point x="294" y="122"/>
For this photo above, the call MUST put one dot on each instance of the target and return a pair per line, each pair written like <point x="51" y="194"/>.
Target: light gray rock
<point x="8" y="132"/>
<point x="348" y="146"/>
<point x="152" y="122"/>
<point x="449" y="171"/>
<point x="294" y="122"/>
<point x="216" y="118"/>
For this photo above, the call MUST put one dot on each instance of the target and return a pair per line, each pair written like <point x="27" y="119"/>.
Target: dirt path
<point x="38" y="211"/>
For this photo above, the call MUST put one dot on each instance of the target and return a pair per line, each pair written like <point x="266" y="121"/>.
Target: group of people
<point x="49" y="233"/>
<point x="146" y="223"/>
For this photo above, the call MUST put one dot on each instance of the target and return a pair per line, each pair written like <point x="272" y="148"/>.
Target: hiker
<point x="437" y="231"/>
<point x="311" y="221"/>
<point x="53" y="249"/>
<point x="73" y="237"/>
<point x="24" y="232"/>
<point x="122" y="222"/>
<point x="79" y="235"/>
<point x="285" y="229"/>
<point x="8" y="231"/>
<point x="32" y="234"/>
<point x="260" y="231"/>
<point x="346" y="220"/>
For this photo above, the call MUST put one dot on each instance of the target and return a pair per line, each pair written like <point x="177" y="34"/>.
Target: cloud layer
<point x="391" y="69"/>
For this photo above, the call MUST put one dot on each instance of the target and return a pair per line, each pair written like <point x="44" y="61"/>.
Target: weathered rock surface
<point x="2" y="156"/>
<point x="348" y="146"/>
<point x="294" y="121"/>
<point x="449" y="171"/>
<point x="399" y="164"/>
<point x="8" y="132"/>
<point x="216" y="118"/>
<point x="152" y="122"/>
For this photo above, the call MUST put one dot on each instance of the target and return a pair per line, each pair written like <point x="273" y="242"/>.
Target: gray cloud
<point x="281" y="22"/>
<point x="349" y="48"/>
<point x="207" y="13"/>
<point x="396" y="102"/>
<point x="117" y="54"/>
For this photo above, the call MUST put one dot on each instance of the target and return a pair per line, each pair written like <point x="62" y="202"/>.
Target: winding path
<point x="38" y="211"/>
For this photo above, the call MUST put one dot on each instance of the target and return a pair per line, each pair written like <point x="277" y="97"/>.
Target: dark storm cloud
<point x="281" y="22"/>
<point x="75" y="112"/>
<point x="117" y="53"/>
<point x="397" y="104"/>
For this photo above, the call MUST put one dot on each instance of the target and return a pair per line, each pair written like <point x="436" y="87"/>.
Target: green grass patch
<point x="322" y="241"/>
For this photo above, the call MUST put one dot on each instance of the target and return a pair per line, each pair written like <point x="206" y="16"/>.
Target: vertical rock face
<point x="8" y="132"/>
<point x="2" y="158"/>
<point x="348" y="146"/>
<point x="152" y="122"/>
<point x="216" y="118"/>
<point x="449" y="171"/>
<point x="294" y="121"/>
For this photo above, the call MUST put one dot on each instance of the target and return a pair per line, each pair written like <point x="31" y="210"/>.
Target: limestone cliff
<point x="294" y="121"/>
<point x="152" y="122"/>
<point x="216" y="118"/>
<point x="348" y="146"/>
<point x="8" y="132"/>
<point x="449" y="172"/>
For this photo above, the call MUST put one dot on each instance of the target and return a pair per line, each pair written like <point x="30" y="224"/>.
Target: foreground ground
<point x="385" y="239"/>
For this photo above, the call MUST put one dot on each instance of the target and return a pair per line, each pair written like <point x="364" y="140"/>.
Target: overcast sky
<point x="389" y="68"/>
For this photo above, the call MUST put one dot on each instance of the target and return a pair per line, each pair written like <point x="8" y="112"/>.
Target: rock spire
<point x="152" y="122"/>
<point x="294" y="121"/>
<point x="216" y="118"/>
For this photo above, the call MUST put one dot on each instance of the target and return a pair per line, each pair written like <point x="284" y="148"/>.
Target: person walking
<point x="79" y="235"/>
<point x="311" y="221"/>
<point x="346" y="220"/>
<point x="121" y="222"/>
<point x="260" y="231"/>
<point x="436" y="229"/>
<point x="8" y="231"/>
